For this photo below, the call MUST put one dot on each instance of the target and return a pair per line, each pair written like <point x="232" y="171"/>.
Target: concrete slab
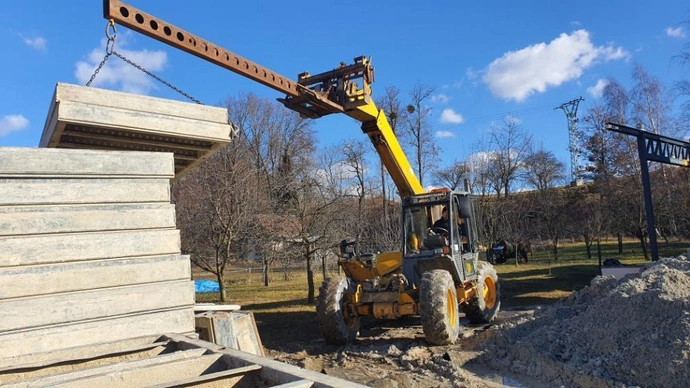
<point x="91" y="118"/>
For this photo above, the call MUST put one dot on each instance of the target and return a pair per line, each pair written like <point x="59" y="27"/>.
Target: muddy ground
<point x="389" y="353"/>
<point x="613" y="333"/>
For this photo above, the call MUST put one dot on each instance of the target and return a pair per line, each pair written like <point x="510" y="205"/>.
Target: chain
<point x="110" y="50"/>
<point x="164" y="82"/>
<point x="109" y="47"/>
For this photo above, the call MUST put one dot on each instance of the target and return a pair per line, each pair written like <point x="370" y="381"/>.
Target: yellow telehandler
<point x="437" y="273"/>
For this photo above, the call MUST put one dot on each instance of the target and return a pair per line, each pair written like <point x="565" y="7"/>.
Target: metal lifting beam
<point x="334" y="91"/>
<point x="155" y="28"/>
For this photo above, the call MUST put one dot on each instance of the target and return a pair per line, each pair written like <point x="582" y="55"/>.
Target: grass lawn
<point x="541" y="281"/>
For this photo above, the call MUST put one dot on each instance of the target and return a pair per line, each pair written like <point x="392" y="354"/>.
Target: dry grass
<point x="542" y="281"/>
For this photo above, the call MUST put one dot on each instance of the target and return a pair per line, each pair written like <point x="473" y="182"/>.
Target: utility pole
<point x="570" y="110"/>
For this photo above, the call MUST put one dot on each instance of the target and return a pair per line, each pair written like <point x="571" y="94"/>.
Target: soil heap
<point x="634" y="331"/>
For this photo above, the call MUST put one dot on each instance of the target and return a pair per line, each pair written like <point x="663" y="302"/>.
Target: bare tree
<point x="452" y="176"/>
<point x="214" y="206"/>
<point x="682" y="87"/>
<point x="651" y="103"/>
<point x="543" y="170"/>
<point x="478" y="168"/>
<point x="511" y="147"/>
<point x="354" y="153"/>
<point x="392" y="107"/>
<point x="418" y="131"/>
<point x="651" y="109"/>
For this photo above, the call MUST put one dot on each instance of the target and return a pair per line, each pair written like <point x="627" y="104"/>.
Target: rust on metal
<point x="334" y="91"/>
<point x="155" y="28"/>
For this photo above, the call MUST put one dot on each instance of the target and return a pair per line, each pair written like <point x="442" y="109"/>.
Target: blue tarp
<point x="206" y="286"/>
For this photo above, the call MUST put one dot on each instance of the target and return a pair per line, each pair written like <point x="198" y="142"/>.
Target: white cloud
<point x="675" y="32"/>
<point x="444" y="134"/>
<point x="441" y="98"/>
<point x="449" y="116"/>
<point x="597" y="90"/>
<point x="12" y="123"/>
<point x="471" y="73"/>
<point x="536" y="68"/>
<point x="575" y="23"/>
<point x="38" y="43"/>
<point x="118" y="73"/>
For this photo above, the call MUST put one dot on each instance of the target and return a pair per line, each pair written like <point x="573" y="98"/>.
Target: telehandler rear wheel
<point x="336" y="325"/>
<point x="484" y="307"/>
<point x="438" y="304"/>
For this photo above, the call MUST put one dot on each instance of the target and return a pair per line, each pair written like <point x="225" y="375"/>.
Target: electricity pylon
<point x="570" y="110"/>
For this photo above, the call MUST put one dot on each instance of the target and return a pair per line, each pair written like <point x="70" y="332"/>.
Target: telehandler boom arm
<point x="313" y="96"/>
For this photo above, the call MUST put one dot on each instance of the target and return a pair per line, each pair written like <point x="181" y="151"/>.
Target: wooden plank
<point x="37" y="311"/>
<point x="23" y="220"/>
<point x="58" y="337"/>
<point x="57" y="278"/>
<point x="45" y="162"/>
<point x="85" y="191"/>
<point x="241" y="372"/>
<point x="46" y="249"/>
<point x="195" y="355"/>
<point x="110" y="98"/>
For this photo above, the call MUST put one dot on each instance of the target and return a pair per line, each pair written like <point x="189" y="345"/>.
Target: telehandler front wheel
<point x="484" y="307"/>
<point x="335" y="324"/>
<point x="438" y="304"/>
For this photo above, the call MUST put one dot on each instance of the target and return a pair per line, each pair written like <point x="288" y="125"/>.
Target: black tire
<point x="438" y="304"/>
<point x="337" y="327"/>
<point x="484" y="306"/>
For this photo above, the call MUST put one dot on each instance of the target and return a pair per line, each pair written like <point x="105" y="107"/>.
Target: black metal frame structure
<point x="655" y="148"/>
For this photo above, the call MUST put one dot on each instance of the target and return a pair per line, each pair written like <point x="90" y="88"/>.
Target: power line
<point x="494" y="117"/>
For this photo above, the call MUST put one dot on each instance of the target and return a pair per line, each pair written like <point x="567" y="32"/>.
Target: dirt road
<point x="613" y="333"/>
<point x="388" y="353"/>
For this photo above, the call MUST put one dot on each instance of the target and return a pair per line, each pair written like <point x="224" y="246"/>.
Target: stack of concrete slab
<point x="91" y="118"/>
<point x="89" y="250"/>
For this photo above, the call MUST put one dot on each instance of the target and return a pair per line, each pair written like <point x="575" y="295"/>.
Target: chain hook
<point x="110" y="45"/>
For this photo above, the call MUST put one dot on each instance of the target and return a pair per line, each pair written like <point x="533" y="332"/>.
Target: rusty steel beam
<point x="132" y="18"/>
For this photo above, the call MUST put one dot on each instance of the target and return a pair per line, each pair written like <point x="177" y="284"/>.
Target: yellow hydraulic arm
<point x="313" y="96"/>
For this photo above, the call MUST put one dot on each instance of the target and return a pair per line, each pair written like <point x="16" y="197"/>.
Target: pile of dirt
<point x="635" y="331"/>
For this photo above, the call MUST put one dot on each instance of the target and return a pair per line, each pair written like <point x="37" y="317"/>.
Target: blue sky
<point x="486" y="59"/>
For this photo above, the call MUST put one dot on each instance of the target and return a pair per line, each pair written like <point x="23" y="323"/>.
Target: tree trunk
<point x="643" y="243"/>
<point x="599" y="252"/>
<point x="323" y="266"/>
<point x="221" y="282"/>
<point x="620" y="243"/>
<point x="310" y="275"/>
<point x="588" y="245"/>
<point x="555" y="250"/>
<point x="265" y="271"/>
